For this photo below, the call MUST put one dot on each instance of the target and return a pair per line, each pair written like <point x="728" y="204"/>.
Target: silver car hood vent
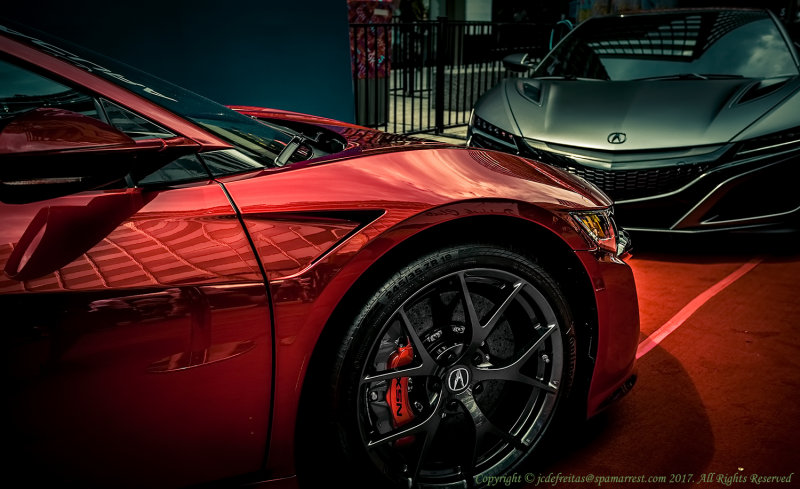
<point x="761" y="88"/>
<point x="639" y="115"/>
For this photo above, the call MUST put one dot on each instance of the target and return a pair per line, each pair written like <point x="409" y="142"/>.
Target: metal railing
<point x="425" y="76"/>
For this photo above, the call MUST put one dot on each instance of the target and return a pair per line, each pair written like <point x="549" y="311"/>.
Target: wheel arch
<point x="551" y="252"/>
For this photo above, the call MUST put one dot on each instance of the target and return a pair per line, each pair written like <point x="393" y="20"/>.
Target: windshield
<point x="260" y="139"/>
<point x="689" y="45"/>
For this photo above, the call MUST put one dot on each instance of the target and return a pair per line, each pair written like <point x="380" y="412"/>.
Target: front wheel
<point x="451" y="373"/>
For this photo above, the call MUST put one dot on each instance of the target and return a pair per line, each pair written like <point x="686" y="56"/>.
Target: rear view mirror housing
<point x="518" y="62"/>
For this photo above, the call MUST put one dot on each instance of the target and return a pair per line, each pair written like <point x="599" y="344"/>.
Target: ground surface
<point x="717" y="398"/>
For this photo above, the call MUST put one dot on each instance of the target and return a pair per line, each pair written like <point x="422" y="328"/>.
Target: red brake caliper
<point x="397" y="395"/>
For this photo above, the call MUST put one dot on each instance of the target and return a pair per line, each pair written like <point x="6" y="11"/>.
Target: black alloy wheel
<point x="454" y="370"/>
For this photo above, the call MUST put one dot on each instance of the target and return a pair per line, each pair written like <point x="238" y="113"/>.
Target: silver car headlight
<point x="492" y="130"/>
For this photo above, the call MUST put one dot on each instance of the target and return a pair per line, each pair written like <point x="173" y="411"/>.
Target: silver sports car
<point x="689" y="120"/>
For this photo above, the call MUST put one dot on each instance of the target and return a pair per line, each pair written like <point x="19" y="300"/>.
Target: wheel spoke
<point x="480" y="333"/>
<point x="469" y="307"/>
<point x="517" y="287"/>
<point x="426" y="365"/>
<point x="513" y="373"/>
<point x="395" y="373"/>
<point x="432" y="426"/>
<point x="505" y="374"/>
<point x="483" y="426"/>
<point x="428" y="424"/>
<point x="510" y="439"/>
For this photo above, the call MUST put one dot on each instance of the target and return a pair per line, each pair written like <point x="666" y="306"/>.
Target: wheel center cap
<point x="458" y="379"/>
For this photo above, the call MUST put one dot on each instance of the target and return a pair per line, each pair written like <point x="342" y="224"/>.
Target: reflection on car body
<point x="200" y="294"/>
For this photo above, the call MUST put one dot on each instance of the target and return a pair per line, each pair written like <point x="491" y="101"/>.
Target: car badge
<point x="458" y="379"/>
<point x="617" y="138"/>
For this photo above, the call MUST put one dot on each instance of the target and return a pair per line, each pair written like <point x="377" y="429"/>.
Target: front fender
<point x="305" y="302"/>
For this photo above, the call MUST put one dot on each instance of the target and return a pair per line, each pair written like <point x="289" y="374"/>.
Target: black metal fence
<point x="426" y="76"/>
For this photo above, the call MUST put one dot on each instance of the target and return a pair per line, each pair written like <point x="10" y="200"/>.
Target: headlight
<point x="599" y="226"/>
<point x="788" y="140"/>
<point x="492" y="130"/>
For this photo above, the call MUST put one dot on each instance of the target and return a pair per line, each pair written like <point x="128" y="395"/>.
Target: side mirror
<point x="519" y="62"/>
<point x="48" y="152"/>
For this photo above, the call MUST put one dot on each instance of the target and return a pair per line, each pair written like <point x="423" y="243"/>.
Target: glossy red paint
<point x="360" y="140"/>
<point x="161" y="337"/>
<point x="288" y="244"/>
<point x="269" y="113"/>
<point x="409" y="193"/>
<point x="155" y="327"/>
<point x="125" y="238"/>
<point x="617" y="331"/>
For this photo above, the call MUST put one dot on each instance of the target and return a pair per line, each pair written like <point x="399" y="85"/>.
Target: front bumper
<point x="751" y="196"/>
<point x="617" y="329"/>
<point x="686" y="190"/>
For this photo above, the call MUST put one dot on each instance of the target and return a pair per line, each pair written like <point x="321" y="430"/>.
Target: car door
<point x="135" y="318"/>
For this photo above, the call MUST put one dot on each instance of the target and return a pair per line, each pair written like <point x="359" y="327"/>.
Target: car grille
<point x="634" y="184"/>
<point x="618" y="184"/>
<point x="627" y="184"/>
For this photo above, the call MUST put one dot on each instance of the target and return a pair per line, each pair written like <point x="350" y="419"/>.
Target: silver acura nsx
<point x="689" y="120"/>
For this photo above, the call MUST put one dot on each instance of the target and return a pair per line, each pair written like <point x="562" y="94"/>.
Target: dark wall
<point x="288" y="54"/>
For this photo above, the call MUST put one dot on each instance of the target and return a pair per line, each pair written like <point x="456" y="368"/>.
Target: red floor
<point x="719" y="394"/>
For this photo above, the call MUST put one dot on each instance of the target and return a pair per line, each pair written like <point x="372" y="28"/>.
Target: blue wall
<point x="291" y="54"/>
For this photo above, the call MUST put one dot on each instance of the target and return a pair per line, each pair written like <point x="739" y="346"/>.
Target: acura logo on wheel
<point x="617" y="138"/>
<point x="458" y="379"/>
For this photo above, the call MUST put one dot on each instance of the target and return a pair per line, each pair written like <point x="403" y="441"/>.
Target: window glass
<point x="22" y="90"/>
<point x="181" y="170"/>
<point x="260" y="140"/>
<point x="229" y="162"/>
<point x="132" y="124"/>
<point x="742" y="43"/>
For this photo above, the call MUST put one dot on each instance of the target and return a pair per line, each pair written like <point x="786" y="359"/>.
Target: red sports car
<point x="192" y="293"/>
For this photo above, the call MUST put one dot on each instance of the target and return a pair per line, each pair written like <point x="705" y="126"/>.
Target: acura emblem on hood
<point x="617" y="138"/>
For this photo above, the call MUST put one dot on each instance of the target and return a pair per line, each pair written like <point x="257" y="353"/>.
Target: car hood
<point x="358" y="139"/>
<point x="652" y="114"/>
<point x="362" y="141"/>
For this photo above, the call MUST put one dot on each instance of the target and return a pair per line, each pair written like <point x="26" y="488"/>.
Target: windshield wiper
<point x="567" y="78"/>
<point x="556" y="77"/>
<point x="691" y="76"/>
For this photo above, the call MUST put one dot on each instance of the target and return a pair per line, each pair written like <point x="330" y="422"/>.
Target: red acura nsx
<point x="196" y="294"/>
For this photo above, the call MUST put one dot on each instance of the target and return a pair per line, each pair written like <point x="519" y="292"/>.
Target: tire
<point x="487" y="372"/>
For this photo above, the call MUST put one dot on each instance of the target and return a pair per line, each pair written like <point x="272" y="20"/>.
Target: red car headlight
<point x="599" y="226"/>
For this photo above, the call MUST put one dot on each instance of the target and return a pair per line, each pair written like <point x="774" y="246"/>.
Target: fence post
<point x="441" y="53"/>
